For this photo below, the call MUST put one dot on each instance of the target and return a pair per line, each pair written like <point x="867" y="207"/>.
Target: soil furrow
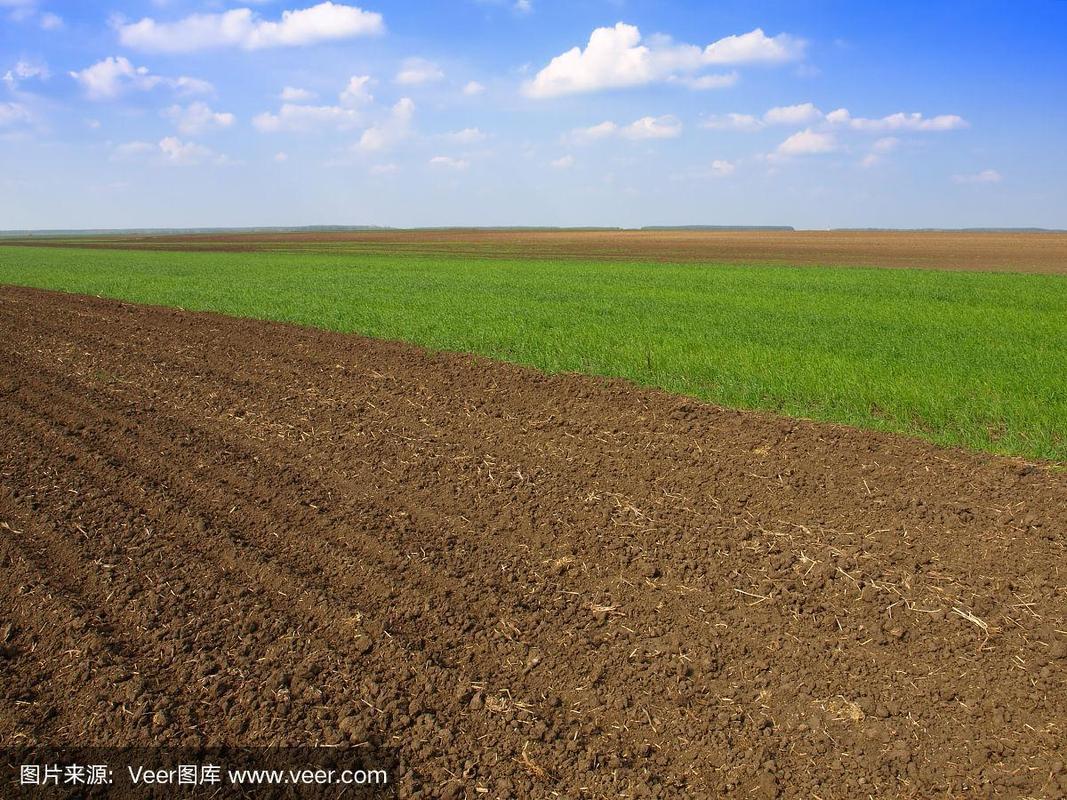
<point x="531" y="585"/>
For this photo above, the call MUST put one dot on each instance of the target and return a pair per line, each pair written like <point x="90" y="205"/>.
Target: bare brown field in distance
<point x="1037" y="252"/>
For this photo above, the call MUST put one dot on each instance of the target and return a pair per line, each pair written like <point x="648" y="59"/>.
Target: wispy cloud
<point x="985" y="176"/>
<point x="448" y="162"/>
<point x="417" y="71"/>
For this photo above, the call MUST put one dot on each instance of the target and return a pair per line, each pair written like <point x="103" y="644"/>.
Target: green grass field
<point x="971" y="359"/>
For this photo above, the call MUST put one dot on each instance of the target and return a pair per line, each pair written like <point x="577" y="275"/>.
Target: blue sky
<point x="175" y="113"/>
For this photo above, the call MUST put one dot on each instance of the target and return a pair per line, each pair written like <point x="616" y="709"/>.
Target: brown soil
<point x="227" y="532"/>
<point x="1020" y="252"/>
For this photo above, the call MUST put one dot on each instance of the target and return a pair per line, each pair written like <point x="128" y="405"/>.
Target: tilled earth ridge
<point x="225" y="532"/>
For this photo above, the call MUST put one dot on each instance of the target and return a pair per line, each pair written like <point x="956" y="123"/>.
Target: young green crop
<point x="960" y="358"/>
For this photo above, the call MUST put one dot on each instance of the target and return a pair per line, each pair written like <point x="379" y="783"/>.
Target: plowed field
<point x="225" y="532"/>
<point x="1006" y="251"/>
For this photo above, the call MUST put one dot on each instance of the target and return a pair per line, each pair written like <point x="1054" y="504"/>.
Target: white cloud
<point x="448" y="162"/>
<point x="897" y="122"/>
<point x="732" y="122"/>
<point x="985" y="176"/>
<point x="523" y="6"/>
<point x="887" y="144"/>
<point x="243" y="28"/>
<point x="800" y="114"/>
<point x="665" y="127"/>
<point x="807" y="142"/>
<point x="185" y="85"/>
<point x="51" y="22"/>
<point x="301" y="118"/>
<point x="170" y="150"/>
<point x="394" y="129"/>
<point x="197" y="118"/>
<point x="473" y="88"/>
<point x="467" y="136"/>
<point x="416" y="71"/>
<point x="754" y="47"/>
<point x="281" y="157"/>
<point x="13" y="114"/>
<point x="176" y="151"/>
<point x="383" y="169"/>
<point x="721" y="168"/>
<point x="564" y="162"/>
<point x="107" y="79"/>
<point x="616" y="58"/>
<point x="24" y="70"/>
<point x="357" y="93"/>
<point x="292" y="94"/>
<point x="594" y="132"/>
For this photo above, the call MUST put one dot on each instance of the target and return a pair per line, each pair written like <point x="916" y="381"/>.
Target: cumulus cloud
<point x="417" y="71"/>
<point x="897" y="122"/>
<point x="176" y="151"/>
<point x="294" y="117"/>
<point x="807" y="142"/>
<point x="169" y="150"/>
<point x="447" y="162"/>
<point x="985" y="176"/>
<point x="807" y="114"/>
<point x="616" y="58"/>
<point x="663" y="127"/>
<point x="243" y="28"/>
<point x="754" y="47"/>
<point x="563" y="162"/>
<point x="800" y="114"/>
<point x="473" y="88"/>
<point x="357" y="92"/>
<point x="50" y="21"/>
<point x="22" y="71"/>
<point x="111" y="77"/>
<point x="301" y="117"/>
<point x="197" y="118"/>
<point x="392" y="130"/>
